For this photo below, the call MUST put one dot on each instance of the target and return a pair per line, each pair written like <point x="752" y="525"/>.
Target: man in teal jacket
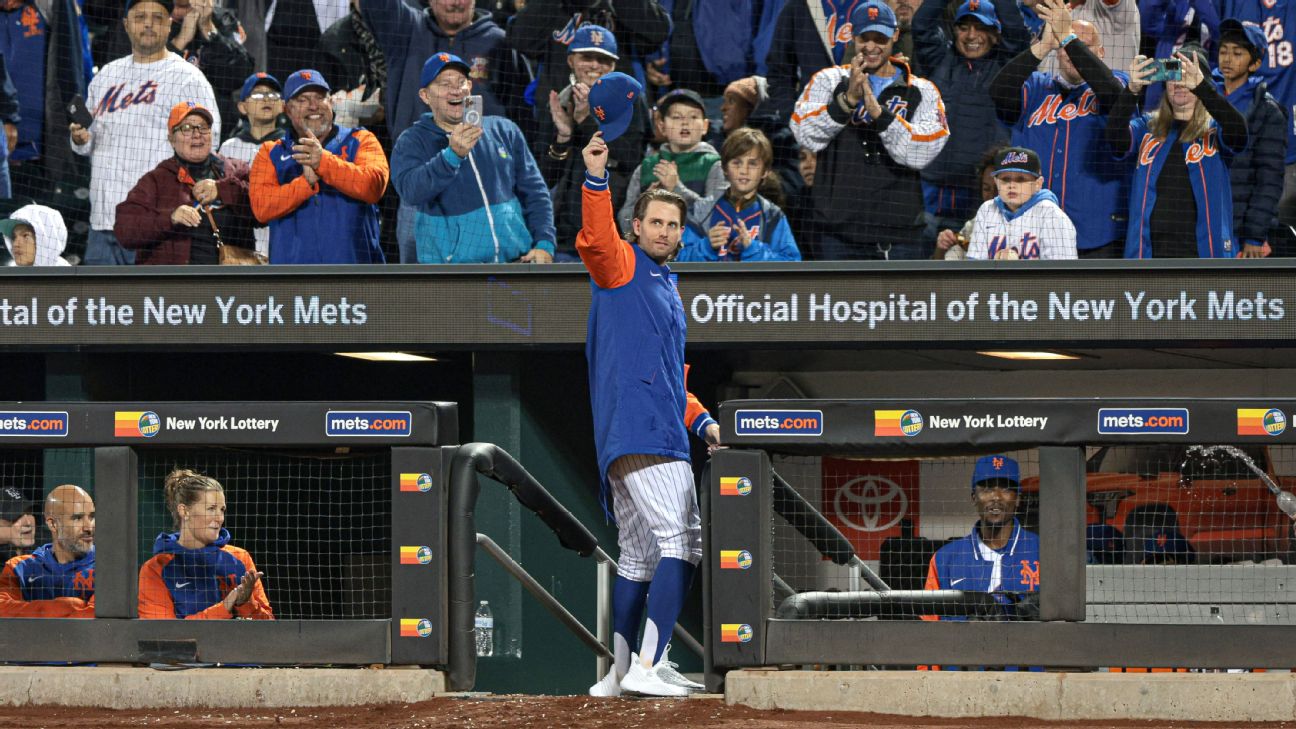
<point x="479" y="194"/>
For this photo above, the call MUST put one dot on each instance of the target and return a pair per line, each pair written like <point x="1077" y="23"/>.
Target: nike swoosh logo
<point x="657" y="275"/>
<point x="33" y="578"/>
<point x="181" y="585"/>
<point x="955" y="582"/>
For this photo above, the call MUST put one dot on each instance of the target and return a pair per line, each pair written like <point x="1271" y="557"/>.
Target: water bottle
<point x="484" y="628"/>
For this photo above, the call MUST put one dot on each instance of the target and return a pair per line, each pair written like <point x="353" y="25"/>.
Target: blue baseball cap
<point x="1253" y="33"/>
<point x="992" y="468"/>
<point x="307" y="78"/>
<point x="612" y="99"/>
<point x="594" y="39"/>
<point x="260" y="78"/>
<point x="874" y="17"/>
<point x="439" y="62"/>
<point x="982" y="10"/>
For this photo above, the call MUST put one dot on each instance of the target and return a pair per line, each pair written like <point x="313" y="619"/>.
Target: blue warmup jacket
<point x="454" y="224"/>
<point x="1066" y="128"/>
<point x="960" y="565"/>
<point x="771" y="235"/>
<point x="179" y="582"/>
<point x="41" y="577"/>
<point x="1208" y="174"/>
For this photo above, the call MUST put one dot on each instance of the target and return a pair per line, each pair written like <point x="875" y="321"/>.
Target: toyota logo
<point x="870" y="503"/>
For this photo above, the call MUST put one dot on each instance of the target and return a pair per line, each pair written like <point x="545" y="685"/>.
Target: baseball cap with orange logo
<point x="439" y="62"/>
<point x="184" y="109"/>
<point x="307" y="78"/>
<point x="996" y="468"/>
<point x="873" y="17"/>
<point x="612" y="100"/>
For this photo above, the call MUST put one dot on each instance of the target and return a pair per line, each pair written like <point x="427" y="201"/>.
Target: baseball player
<point x="130" y="99"/>
<point x="635" y="349"/>
<point x="1024" y="221"/>
<point x="998" y="555"/>
<point x="1062" y="116"/>
<point x="57" y="580"/>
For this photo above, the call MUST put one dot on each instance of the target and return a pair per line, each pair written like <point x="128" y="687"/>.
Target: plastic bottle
<point x="484" y="628"/>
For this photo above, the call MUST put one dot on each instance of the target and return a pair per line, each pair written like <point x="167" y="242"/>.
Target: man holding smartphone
<point x="478" y="193"/>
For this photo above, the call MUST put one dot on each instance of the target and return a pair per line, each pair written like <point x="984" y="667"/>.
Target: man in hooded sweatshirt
<point x="57" y="580"/>
<point x="35" y="236"/>
<point x="477" y="193"/>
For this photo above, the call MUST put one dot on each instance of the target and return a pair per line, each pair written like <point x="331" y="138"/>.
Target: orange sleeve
<point x="365" y="179"/>
<point x="12" y="604"/>
<point x="609" y="259"/>
<point x="258" y="606"/>
<point x="693" y="407"/>
<point x="269" y="199"/>
<point x="155" y="601"/>
<point x="933" y="583"/>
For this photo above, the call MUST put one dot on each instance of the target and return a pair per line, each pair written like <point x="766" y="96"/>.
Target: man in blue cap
<point x="962" y="63"/>
<point x="998" y="555"/>
<point x="477" y="194"/>
<point x="318" y="187"/>
<point x="643" y="412"/>
<point x="570" y="124"/>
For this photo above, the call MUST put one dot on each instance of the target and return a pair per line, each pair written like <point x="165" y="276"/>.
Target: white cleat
<point x="668" y="670"/>
<point x="609" y="687"/>
<point x="648" y="681"/>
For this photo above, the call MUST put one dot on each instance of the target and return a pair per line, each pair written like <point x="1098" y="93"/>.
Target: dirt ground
<point x="535" y="711"/>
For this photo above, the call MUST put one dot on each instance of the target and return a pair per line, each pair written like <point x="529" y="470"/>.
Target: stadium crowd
<point x="439" y="131"/>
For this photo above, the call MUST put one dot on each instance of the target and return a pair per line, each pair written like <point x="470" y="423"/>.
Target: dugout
<point x="509" y="342"/>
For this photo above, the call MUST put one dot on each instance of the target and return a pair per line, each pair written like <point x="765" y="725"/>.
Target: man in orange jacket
<point x="57" y="580"/>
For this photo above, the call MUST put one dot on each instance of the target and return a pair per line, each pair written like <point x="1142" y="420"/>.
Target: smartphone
<point x="473" y="111"/>
<point x="78" y="113"/>
<point x="1165" y="69"/>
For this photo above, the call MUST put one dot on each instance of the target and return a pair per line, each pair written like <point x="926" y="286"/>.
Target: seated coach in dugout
<point x="318" y="187"/>
<point x="195" y="573"/>
<point x="57" y="580"/>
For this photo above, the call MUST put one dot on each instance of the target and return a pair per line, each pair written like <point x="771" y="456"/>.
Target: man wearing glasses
<point x="130" y="100"/>
<point x="318" y="187"/>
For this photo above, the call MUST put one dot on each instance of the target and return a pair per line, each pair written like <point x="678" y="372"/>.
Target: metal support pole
<point x="603" y="615"/>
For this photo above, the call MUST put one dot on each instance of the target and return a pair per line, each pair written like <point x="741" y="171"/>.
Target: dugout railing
<point x="420" y="439"/>
<point x="753" y="619"/>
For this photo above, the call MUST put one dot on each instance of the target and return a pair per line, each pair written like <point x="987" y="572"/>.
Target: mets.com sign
<point x="748" y="305"/>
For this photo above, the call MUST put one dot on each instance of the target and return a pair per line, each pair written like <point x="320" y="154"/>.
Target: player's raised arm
<point x="609" y="259"/>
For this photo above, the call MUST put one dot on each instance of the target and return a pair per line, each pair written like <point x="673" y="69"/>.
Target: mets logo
<point x="568" y="32"/>
<point x="1029" y="574"/>
<point x="31" y="22"/>
<point x="442" y="57"/>
<point x="873" y="13"/>
<point x="598" y="112"/>
<point x="1201" y="149"/>
<point x="306" y="75"/>
<point x="898" y="107"/>
<point x="1015" y="158"/>
<point x="596" y="37"/>
<point x="1027" y="248"/>
<point x="974" y="5"/>
<point x="1148" y="149"/>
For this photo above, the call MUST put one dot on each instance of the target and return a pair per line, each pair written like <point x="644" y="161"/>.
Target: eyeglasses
<point x="264" y="96"/>
<point x="684" y="119"/>
<point x="198" y="129"/>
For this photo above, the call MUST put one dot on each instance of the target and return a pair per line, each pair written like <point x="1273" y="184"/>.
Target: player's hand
<point x="1140" y="68"/>
<point x="596" y="155"/>
<point x="536" y="255"/>
<point x="946" y="239"/>
<point x="80" y="135"/>
<point x="719" y="237"/>
<point x="580" y="102"/>
<point x="1253" y="251"/>
<point x="712" y="437"/>
<point x="243" y="592"/>
<point x="1192" y="71"/>
<point x="186" y="215"/>
<point x="205" y="192"/>
<point x="667" y="174"/>
<point x="308" y="151"/>
<point x="562" y="120"/>
<point x="464" y="138"/>
<point x="859" y="81"/>
<point x="11" y="136"/>
<point x="656" y="76"/>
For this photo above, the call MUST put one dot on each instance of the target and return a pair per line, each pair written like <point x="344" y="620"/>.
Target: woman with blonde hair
<point x="1181" y="202"/>
<point x="195" y="573"/>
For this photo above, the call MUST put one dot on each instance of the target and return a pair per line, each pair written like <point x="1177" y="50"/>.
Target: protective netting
<point x="316" y="524"/>
<point x="825" y="130"/>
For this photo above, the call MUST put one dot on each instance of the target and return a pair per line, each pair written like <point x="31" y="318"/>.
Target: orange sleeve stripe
<point x="693" y="407"/>
<point x="365" y="179"/>
<point x="608" y="258"/>
<point x="270" y="200"/>
<point x="922" y="137"/>
<point x="798" y="118"/>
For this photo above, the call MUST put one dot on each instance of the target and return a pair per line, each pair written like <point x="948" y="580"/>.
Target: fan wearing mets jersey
<point x="1024" y="221"/>
<point x="195" y="573"/>
<point x="635" y="349"/>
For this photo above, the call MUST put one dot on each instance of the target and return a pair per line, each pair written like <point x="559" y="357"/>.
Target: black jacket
<point x="1256" y="174"/>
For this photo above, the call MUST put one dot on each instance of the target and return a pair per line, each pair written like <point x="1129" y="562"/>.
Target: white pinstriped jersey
<point x="913" y="142"/>
<point x="1038" y="230"/>
<point x="131" y="102"/>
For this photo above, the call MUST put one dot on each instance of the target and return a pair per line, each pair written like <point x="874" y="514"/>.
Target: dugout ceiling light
<point x="1031" y="356"/>
<point x="387" y="356"/>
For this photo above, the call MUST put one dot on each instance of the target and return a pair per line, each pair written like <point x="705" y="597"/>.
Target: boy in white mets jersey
<point x="1024" y="221"/>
